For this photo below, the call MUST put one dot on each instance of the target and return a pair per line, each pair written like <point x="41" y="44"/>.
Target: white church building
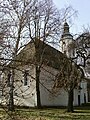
<point x="25" y="93"/>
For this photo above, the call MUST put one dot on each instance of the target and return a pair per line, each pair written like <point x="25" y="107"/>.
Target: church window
<point x="25" y="77"/>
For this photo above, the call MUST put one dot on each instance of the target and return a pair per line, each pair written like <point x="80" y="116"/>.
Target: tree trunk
<point x="37" y="87"/>
<point x="70" y="101"/>
<point x="11" y="101"/>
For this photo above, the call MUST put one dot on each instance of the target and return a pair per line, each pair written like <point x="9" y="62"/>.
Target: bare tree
<point x="81" y="49"/>
<point x="45" y="24"/>
<point x="15" y="13"/>
<point x="68" y="78"/>
<point x="30" y="20"/>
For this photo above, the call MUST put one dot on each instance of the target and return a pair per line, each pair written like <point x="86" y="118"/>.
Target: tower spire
<point x="66" y="40"/>
<point x="66" y="28"/>
<point x="66" y="31"/>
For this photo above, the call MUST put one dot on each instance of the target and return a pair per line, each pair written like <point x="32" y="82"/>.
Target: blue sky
<point x="83" y="8"/>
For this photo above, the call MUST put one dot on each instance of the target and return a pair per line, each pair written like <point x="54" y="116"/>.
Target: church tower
<point x="66" y="40"/>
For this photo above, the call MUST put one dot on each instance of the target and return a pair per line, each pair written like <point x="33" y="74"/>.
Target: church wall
<point x="25" y="95"/>
<point x="48" y="95"/>
<point x="60" y="98"/>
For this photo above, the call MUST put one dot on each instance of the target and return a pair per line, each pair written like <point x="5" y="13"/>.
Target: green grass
<point x="80" y="113"/>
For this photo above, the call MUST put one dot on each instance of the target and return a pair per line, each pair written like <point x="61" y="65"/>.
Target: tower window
<point x="63" y="42"/>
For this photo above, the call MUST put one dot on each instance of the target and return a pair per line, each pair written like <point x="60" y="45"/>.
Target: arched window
<point x="26" y="77"/>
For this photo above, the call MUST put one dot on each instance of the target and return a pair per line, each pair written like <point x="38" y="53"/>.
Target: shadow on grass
<point x="83" y="108"/>
<point x="81" y="111"/>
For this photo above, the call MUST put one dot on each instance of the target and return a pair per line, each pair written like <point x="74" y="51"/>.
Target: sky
<point x="83" y="15"/>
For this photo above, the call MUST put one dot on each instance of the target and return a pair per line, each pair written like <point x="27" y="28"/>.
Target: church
<point x="51" y="59"/>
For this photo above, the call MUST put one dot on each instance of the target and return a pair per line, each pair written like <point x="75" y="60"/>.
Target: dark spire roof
<point x="66" y="31"/>
<point x="66" y="28"/>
